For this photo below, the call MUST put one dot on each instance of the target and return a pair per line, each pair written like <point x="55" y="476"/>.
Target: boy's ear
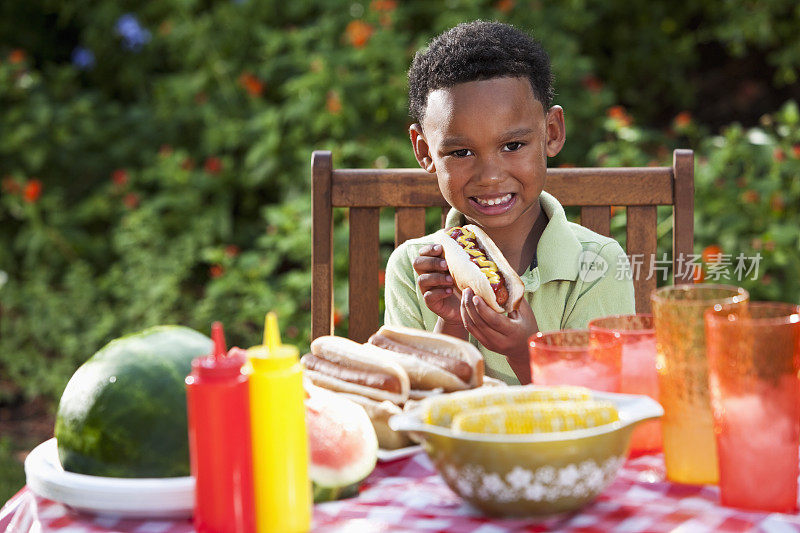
<point x="556" y="130"/>
<point x="421" y="149"/>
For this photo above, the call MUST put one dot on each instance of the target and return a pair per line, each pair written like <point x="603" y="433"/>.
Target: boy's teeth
<point x="494" y="201"/>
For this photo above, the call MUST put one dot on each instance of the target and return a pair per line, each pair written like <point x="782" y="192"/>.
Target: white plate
<point x="121" y="497"/>
<point x="385" y="456"/>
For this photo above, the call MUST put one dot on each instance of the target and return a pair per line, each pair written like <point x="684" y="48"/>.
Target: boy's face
<point x="488" y="142"/>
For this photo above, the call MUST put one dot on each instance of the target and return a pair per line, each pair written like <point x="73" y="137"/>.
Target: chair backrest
<point x="409" y="191"/>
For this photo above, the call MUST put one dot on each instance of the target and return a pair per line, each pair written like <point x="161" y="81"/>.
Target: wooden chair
<point x="409" y="191"/>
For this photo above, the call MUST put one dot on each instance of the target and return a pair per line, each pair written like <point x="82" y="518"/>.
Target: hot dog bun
<point x="467" y="274"/>
<point x="342" y="365"/>
<point x="432" y="360"/>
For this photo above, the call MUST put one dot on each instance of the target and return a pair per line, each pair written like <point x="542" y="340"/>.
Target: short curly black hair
<point x="473" y="51"/>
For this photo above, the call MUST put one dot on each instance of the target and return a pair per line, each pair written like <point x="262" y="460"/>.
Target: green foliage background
<point x="174" y="181"/>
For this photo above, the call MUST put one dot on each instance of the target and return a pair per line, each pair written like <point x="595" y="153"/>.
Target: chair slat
<point x="683" y="214"/>
<point x="409" y="223"/>
<point x="641" y="249"/>
<point x="322" y="245"/>
<point x="571" y="186"/>
<point x="364" y="265"/>
<point x="597" y="219"/>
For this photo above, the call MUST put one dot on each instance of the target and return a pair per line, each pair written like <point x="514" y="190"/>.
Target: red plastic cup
<point x="754" y="359"/>
<point x="577" y="357"/>
<point x="639" y="375"/>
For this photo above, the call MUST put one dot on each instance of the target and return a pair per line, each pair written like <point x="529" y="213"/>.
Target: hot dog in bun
<point x="476" y="262"/>
<point x="342" y="365"/>
<point x="433" y="361"/>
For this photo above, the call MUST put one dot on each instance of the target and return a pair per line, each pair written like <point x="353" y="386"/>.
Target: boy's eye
<point x="464" y="152"/>
<point x="513" y="146"/>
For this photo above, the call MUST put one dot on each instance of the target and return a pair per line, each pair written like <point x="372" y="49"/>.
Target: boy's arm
<point x="400" y="291"/>
<point x="610" y="294"/>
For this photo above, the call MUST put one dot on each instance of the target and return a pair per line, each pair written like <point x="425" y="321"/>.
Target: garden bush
<point x="154" y="155"/>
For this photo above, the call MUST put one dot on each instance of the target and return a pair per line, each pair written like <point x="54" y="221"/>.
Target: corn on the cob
<point x="536" y="417"/>
<point x="440" y="410"/>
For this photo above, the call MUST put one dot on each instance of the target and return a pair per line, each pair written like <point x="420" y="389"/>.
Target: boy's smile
<point x="488" y="143"/>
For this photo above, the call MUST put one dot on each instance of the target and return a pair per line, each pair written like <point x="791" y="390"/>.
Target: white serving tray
<point x="121" y="497"/>
<point x="384" y="456"/>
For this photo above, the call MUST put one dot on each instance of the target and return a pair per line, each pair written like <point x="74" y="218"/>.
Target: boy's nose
<point x="489" y="171"/>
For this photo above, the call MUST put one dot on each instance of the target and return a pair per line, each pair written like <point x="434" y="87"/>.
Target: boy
<point x="480" y="96"/>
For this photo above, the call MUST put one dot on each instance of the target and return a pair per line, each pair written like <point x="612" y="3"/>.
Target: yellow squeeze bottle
<point x="282" y="487"/>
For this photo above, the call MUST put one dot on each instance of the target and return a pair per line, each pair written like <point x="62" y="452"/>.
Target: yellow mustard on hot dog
<point x="467" y="240"/>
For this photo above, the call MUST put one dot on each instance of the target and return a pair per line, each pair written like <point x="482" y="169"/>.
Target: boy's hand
<point x="503" y="334"/>
<point x="437" y="285"/>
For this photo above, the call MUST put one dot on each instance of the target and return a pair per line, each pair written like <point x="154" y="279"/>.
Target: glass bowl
<point x="532" y="474"/>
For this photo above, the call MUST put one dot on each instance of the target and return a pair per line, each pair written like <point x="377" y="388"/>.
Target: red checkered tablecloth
<point x="408" y="495"/>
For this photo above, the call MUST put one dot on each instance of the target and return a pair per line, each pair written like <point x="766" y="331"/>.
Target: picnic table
<point x="408" y="495"/>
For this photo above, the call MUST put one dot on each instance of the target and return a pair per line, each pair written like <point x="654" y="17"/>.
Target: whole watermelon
<point x="123" y="413"/>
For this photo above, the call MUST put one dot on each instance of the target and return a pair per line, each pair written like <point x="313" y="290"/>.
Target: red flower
<point x="592" y="83"/>
<point x="358" y="33"/>
<point x="619" y="114"/>
<point x="712" y="254"/>
<point x="333" y="103"/>
<point x="231" y="250"/>
<point x="216" y="271"/>
<point x="383" y="5"/>
<point x="337" y="317"/>
<point x="683" y="119"/>
<point x="10" y="185"/>
<point x="16" y="56"/>
<point x="750" y="196"/>
<point x="32" y="191"/>
<point x="213" y="165"/>
<point x="504" y="6"/>
<point x="381" y="277"/>
<point x="119" y="177"/>
<point x="131" y="200"/>
<point x="796" y="151"/>
<point x="251" y="84"/>
<point x="779" y="154"/>
<point x="777" y="202"/>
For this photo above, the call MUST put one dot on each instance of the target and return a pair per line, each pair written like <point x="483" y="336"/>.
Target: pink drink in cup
<point x="577" y="357"/>
<point x="754" y="358"/>
<point x="639" y="374"/>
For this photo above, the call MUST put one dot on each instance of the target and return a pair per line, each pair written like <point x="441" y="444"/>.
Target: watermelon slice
<point x="342" y="444"/>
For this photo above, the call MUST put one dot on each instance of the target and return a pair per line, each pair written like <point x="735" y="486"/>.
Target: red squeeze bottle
<point x="218" y="405"/>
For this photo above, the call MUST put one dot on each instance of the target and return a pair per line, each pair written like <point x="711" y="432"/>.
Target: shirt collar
<point x="558" y="251"/>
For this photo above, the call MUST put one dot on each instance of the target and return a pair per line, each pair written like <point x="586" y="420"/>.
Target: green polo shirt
<point x="579" y="275"/>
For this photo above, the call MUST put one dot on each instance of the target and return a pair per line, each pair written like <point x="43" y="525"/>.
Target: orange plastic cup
<point x="639" y="374"/>
<point x="754" y="359"/>
<point x="577" y="357"/>
<point x="687" y="427"/>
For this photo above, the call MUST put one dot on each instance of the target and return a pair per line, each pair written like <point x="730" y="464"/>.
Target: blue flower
<point x="133" y="35"/>
<point x="83" y="58"/>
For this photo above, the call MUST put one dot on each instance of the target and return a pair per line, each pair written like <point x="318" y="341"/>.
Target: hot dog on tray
<point x="476" y="262"/>
<point x="342" y="365"/>
<point x="433" y="361"/>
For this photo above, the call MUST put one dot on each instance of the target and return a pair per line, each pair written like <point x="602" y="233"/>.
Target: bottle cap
<point x="221" y="363"/>
<point x="272" y="355"/>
